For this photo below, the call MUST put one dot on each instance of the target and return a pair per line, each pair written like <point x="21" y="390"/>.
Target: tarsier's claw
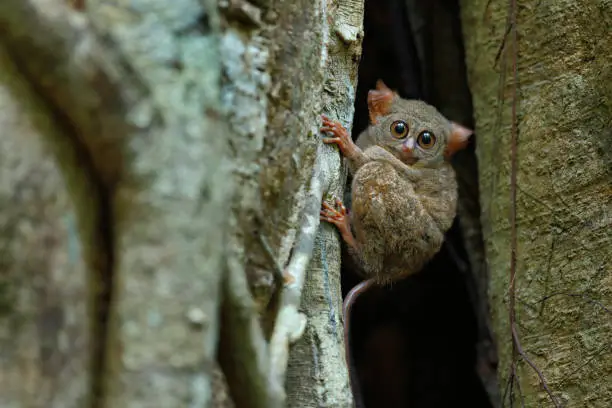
<point x="337" y="135"/>
<point x="341" y="206"/>
<point x="331" y="126"/>
<point x="338" y="217"/>
<point x="329" y="208"/>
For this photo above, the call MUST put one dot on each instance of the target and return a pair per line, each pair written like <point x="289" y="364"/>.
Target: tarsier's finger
<point x="328" y="211"/>
<point x="333" y="123"/>
<point x="340" y="131"/>
<point x="328" y="128"/>
<point x="328" y="214"/>
<point x="331" y="140"/>
<point x="341" y="206"/>
<point x="332" y="221"/>
<point x="327" y="219"/>
<point x="331" y="216"/>
<point x="328" y="207"/>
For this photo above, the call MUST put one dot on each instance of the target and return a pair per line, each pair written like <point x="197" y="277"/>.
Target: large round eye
<point x="399" y="129"/>
<point x="426" y="139"/>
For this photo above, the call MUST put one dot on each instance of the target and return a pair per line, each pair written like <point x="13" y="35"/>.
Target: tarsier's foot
<point x="340" y="137"/>
<point x="340" y="218"/>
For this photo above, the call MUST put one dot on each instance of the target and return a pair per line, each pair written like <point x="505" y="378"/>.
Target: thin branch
<point x="290" y="324"/>
<point x="255" y="370"/>
<point x="509" y="382"/>
<point x="500" y="50"/>
<point x="577" y="295"/>
<point x="518" y="386"/>
<point x="277" y="270"/>
<point x="543" y="382"/>
<point x="551" y="254"/>
<point x="513" y="177"/>
<point x="243" y="351"/>
<point x="516" y="344"/>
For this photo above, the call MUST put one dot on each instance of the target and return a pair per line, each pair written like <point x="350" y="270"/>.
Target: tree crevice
<point x="417" y="49"/>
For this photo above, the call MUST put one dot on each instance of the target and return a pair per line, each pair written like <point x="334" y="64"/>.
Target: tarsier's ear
<point x="379" y="101"/>
<point x="458" y="139"/>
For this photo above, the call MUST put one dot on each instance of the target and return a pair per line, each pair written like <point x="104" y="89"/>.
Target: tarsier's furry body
<point x="404" y="191"/>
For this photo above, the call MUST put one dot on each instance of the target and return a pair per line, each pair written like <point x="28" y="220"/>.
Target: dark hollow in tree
<point x="425" y="341"/>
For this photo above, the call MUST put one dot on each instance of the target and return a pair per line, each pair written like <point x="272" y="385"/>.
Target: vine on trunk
<point x="517" y="349"/>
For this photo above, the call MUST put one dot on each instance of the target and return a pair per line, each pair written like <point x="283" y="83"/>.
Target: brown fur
<point x="403" y="200"/>
<point x="399" y="224"/>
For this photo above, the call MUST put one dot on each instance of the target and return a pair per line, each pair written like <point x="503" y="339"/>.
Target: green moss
<point x="564" y="229"/>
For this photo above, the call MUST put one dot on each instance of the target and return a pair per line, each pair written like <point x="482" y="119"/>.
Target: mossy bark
<point x="298" y="62"/>
<point x="564" y="200"/>
<point x="174" y="136"/>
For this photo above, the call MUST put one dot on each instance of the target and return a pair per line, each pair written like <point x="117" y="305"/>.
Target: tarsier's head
<point x="415" y="132"/>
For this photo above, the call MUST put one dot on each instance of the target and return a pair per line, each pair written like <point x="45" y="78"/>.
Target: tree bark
<point x="152" y="148"/>
<point x="562" y="91"/>
<point x="44" y="334"/>
<point x="180" y="141"/>
<point x="305" y="56"/>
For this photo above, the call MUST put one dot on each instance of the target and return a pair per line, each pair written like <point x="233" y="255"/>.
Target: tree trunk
<point x="44" y="334"/>
<point x="559" y="300"/>
<point x="155" y="155"/>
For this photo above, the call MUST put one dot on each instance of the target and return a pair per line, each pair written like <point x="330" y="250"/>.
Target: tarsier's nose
<point x="408" y="145"/>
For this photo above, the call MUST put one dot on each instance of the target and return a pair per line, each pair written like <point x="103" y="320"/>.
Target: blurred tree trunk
<point x="148" y="152"/>
<point x="564" y="200"/>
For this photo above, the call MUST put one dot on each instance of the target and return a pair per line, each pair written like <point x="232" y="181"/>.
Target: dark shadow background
<point x="426" y="341"/>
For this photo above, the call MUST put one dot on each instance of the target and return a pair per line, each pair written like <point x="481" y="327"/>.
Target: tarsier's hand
<point x="341" y="137"/>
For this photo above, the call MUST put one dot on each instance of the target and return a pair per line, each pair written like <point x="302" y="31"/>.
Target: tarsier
<point x="404" y="190"/>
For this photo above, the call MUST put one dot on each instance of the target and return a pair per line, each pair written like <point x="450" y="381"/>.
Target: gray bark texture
<point x="161" y="170"/>
<point x="563" y="274"/>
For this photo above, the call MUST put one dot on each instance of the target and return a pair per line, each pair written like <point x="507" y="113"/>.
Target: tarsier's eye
<point x="399" y="129"/>
<point x="426" y="139"/>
